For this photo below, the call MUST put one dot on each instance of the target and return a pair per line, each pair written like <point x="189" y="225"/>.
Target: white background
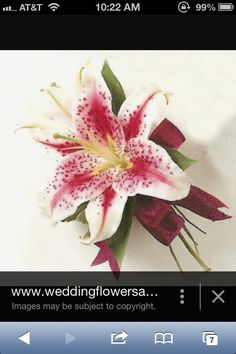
<point x="203" y="107"/>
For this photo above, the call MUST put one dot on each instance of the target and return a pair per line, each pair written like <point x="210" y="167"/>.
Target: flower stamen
<point x="93" y="147"/>
<point x="55" y="99"/>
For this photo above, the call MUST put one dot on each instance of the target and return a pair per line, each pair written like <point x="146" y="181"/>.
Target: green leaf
<point x="114" y="85"/>
<point x="81" y="217"/>
<point x="119" y="240"/>
<point x="86" y="235"/>
<point x="181" y="160"/>
<point x="78" y="215"/>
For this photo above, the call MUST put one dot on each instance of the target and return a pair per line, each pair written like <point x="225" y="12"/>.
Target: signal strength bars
<point x="8" y="8"/>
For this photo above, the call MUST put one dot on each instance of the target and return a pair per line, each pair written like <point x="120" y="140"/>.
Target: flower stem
<point x="191" y="238"/>
<point x="190" y="222"/>
<point x="188" y="233"/>
<point x="193" y="253"/>
<point x="175" y="258"/>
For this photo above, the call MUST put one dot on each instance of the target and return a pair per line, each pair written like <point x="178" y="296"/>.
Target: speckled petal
<point x="77" y="180"/>
<point x="153" y="173"/>
<point x="46" y="137"/>
<point x="138" y="113"/>
<point x="104" y="215"/>
<point x="93" y="114"/>
<point x="63" y="148"/>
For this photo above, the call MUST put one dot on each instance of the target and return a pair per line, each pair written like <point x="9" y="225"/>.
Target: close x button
<point x="218" y="296"/>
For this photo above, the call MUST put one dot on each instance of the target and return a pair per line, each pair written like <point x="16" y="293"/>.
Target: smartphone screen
<point x="118" y="177"/>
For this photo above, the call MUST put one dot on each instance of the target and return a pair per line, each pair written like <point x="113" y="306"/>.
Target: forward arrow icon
<point x="69" y="338"/>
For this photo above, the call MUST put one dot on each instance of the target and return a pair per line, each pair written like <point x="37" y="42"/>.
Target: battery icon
<point x="225" y="6"/>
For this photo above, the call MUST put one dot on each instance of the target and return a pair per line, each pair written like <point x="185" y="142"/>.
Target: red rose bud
<point x="158" y="219"/>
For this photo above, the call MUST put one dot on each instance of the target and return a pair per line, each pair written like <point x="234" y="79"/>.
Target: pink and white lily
<point x="108" y="158"/>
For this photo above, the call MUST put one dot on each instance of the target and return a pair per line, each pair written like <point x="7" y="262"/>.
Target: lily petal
<point x="167" y="134"/>
<point x="79" y="178"/>
<point x="52" y="114"/>
<point x="152" y="173"/>
<point x="94" y="119"/>
<point x="64" y="148"/>
<point x="138" y="112"/>
<point x="104" y="215"/>
<point x="45" y="136"/>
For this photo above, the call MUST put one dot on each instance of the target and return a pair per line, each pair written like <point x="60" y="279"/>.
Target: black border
<point x="104" y="32"/>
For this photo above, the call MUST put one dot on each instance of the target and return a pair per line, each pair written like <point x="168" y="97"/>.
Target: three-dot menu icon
<point x="181" y="296"/>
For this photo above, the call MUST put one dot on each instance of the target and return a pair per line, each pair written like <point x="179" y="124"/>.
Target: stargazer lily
<point x="108" y="158"/>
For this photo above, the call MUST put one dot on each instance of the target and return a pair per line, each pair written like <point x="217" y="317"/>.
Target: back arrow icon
<point x="25" y="338"/>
